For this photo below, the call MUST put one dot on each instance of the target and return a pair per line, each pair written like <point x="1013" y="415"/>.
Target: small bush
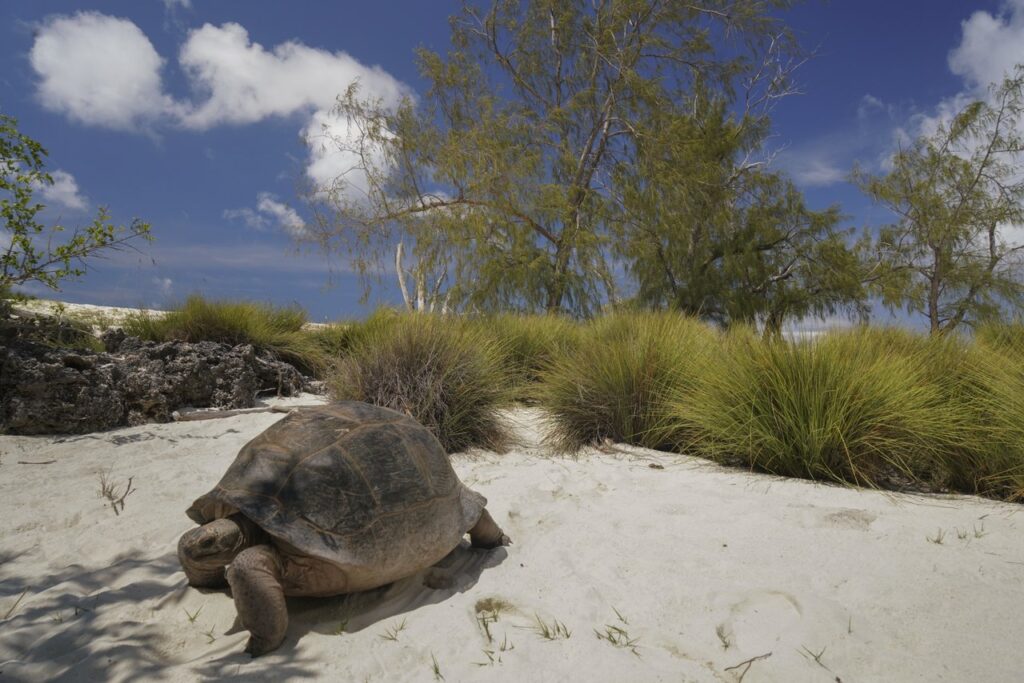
<point x="531" y="344"/>
<point x="266" y="327"/>
<point x="445" y="374"/>
<point x="851" y="407"/>
<point x="617" y="382"/>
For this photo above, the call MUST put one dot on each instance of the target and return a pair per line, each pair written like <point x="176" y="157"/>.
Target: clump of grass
<point x="556" y="630"/>
<point x="448" y="376"/>
<point x="617" y="383"/>
<point x="268" y="328"/>
<point x="849" y="407"/>
<point x="531" y="343"/>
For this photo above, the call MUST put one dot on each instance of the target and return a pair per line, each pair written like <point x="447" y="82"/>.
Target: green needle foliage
<point x="25" y="255"/>
<point x="953" y="194"/>
<point x="617" y="383"/>
<point x="447" y="375"/>
<point x="497" y="188"/>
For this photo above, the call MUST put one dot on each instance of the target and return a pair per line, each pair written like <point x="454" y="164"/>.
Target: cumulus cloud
<point x="99" y="70"/>
<point x="991" y="45"/>
<point x="242" y="82"/>
<point x="103" y="71"/>
<point x="269" y="214"/>
<point x="817" y="173"/>
<point x="63" y="192"/>
<point x="172" y="4"/>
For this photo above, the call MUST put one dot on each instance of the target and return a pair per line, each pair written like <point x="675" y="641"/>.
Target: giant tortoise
<point x="331" y="499"/>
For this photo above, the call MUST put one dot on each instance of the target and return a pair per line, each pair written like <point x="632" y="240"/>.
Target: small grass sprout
<point x="392" y="633"/>
<point x="555" y="630"/>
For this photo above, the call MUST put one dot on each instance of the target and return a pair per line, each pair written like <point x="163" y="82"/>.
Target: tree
<point x="955" y="194"/>
<point x="22" y="257"/>
<point x="709" y="230"/>
<point x="499" y="180"/>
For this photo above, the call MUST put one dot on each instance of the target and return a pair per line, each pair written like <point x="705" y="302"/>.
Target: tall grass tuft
<point x="850" y="407"/>
<point x="617" y="383"/>
<point x="447" y="375"/>
<point x="531" y="343"/>
<point x="274" y="329"/>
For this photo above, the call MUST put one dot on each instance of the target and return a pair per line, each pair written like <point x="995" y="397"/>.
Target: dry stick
<point x="36" y="462"/>
<point x="15" y="605"/>
<point x="120" y="501"/>
<point x="217" y="414"/>
<point x="747" y="664"/>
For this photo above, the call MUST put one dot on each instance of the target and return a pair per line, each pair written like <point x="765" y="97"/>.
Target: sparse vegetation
<point x="555" y="630"/>
<point x="393" y="632"/>
<point x="268" y="328"/>
<point x="113" y="493"/>
<point x="619" y="381"/>
<point x="447" y="375"/>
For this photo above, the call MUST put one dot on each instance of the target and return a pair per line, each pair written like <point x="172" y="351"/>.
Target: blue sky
<point x="189" y="114"/>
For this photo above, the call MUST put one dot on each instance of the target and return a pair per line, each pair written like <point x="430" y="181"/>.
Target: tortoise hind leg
<point x="487" y="534"/>
<point x="255" y="579"/>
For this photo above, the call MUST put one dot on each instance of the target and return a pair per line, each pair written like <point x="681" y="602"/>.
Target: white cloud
<point x="336" y="161"/>
<point x="285" y="216"/>
<point x="247" y="216"/>
<point x="172" y="4"/>
<point x="868" y="104"/>
<point x="103" y="71"/>
<point x="269" y="213"/>
<point x="991" y="45"/>
<point x="63" y="193"/>
<point x="165" y="284"/>
<point x="99" y="70"/>
<point x="817" y="173"/>
<point x="242" y="82"/>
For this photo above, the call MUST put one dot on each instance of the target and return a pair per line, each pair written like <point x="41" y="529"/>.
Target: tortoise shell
<point x="356" y="485"/>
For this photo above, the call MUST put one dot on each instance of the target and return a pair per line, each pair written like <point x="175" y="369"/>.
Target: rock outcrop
<point x="45" y="390"/>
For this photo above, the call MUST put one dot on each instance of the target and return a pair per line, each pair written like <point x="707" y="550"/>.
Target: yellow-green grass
<point x="448" y="375"/>
<point x="874" y="407"/>
<point x="531" y="343"/>
<point x="617" y="381"/>
<point x="270" y="328"/>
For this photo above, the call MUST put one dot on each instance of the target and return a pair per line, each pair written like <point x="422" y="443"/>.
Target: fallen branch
<point x="747" y="664"/>
<point x="36" y="462"/>
<point x="217" y="414"/>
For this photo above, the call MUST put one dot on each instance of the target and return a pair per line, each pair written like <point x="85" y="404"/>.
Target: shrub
<point x="850" y="407"/>
<point x="531" y="343"/>
<point x="617" y="382"/>
<point x="268" y="328"/>
<point x="447" y="375"/>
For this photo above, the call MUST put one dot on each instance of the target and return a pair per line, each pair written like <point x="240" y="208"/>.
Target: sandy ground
<point x="686" y="569"/>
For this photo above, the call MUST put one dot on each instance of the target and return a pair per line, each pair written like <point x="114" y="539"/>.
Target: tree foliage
<point x="31" y="250"/>
<point x="500" y="182"/>
<point x="955" y="194"/>
<point x="709" y="230"/>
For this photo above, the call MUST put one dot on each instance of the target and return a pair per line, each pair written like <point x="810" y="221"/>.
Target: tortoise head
<point x="207" y="549"/>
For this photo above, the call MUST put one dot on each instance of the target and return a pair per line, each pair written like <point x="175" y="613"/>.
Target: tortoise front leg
<point x="255" y="579"/>
<point x="487" y="534"/>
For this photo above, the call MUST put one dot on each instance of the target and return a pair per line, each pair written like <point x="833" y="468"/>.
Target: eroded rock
<point x="46" y="390"/>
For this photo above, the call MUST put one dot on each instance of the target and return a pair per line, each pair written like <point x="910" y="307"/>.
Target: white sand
<point x="684" y="554"/>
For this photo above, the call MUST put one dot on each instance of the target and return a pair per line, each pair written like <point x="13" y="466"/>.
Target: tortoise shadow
<point x="457" y="572"/>
<point x="60" y="631"/>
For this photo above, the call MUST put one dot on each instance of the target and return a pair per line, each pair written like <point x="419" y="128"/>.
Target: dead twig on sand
<point x="109" y="491"/>
<point x="36" y="462"/>
<point x="747" y="664"/>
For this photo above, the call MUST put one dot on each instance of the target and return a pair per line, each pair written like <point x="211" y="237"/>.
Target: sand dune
<point x="685" y="570"/>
